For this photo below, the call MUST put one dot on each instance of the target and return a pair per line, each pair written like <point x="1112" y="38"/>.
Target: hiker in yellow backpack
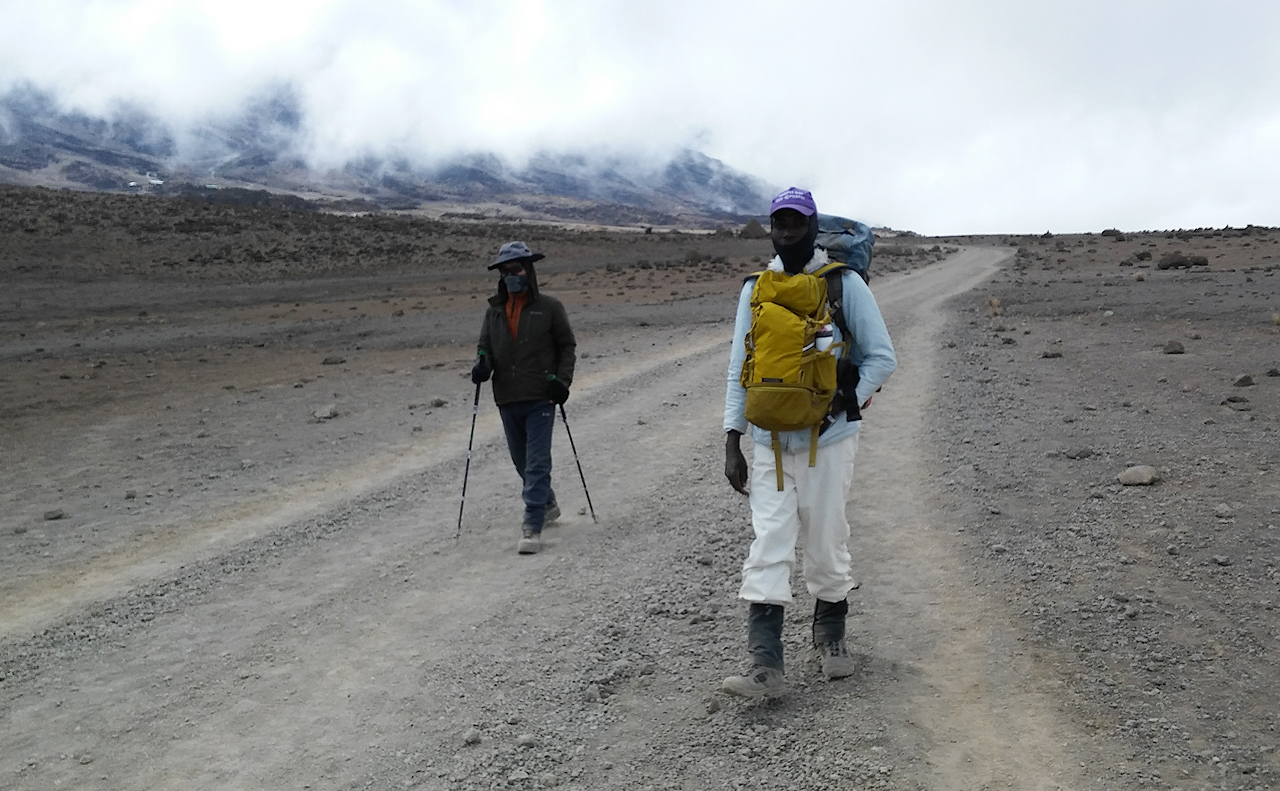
<point x="809" y="350"/>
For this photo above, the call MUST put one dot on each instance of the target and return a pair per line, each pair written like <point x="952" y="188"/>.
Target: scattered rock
<point x="1078" y="453"/>
<point x="1174" y="347"/>
<point x="527" y="740"/>
<point x="1173" y="260"/>
<point x="999" y="549"/>
<point x="19" y="530"/>
<point x="1273" y="372"/>
<point x="753" y="230"/>
<point x="439" y="402"/>
<point x="1221" y="560"/>
<point x="333" y="361"/>
<point x="1050" y="355"/>
<point x="1223" y="511"/>
<point x="55" y="513"/>
<point x="131" y="494"/>
<point x="592" y="693"/>
<point x="326" y="413"/>
<point x="472" y="736"/>
<point x="1139" y="475"/>
<point x="713" y="705"/>
<point x="1244" y="380"/>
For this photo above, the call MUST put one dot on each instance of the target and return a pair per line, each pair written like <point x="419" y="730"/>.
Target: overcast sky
<point x="940" y="116"/>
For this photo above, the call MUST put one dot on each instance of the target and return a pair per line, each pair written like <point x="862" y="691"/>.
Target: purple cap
<point x="794" y="198"/>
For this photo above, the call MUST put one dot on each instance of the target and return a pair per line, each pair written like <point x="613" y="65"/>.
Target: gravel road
<point x="316" y="624"/>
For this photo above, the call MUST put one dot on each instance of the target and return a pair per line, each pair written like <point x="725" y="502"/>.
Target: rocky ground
<point x="231" y="495"/>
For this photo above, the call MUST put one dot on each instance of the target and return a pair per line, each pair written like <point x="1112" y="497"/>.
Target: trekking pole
<point x="475" y="407"/>
<point x="575" y="461"/>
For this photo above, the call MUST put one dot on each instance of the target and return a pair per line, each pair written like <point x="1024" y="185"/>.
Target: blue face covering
<point x="515" y="283"/>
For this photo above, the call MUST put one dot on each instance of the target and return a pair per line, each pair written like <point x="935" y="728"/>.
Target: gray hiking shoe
<point x="759" y="682"/>
<point x="836" y="662"/>
<point x="553" y="512"/>
<point x="530" y="542"/>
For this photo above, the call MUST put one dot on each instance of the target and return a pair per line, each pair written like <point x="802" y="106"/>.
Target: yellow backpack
<point x="789" y="381"/>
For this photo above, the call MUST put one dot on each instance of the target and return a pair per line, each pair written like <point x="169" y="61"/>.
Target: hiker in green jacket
<point x="527" y="346"/>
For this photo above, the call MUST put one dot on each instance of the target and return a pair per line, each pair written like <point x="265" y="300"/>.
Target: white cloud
<point x="933" y="115"/>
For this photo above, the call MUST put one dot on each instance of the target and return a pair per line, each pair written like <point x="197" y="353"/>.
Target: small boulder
<point x="55" y="513"/>
<point x="1174" y="347"/>
<point x="1245" y="380"/>
<point x="1139" y="475"/>
<point x="1078" y="453"/>
<point x="753" y="230"/>
<point x="1173" y="260"/>
<point x="326" y="413"/>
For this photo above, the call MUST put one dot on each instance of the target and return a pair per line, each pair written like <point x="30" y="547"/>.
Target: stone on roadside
<point x="1244" y="380"/>
<point x="1139" y="475"/>
<point x="1174" y="347"/>
<point x="333" y="360"/>
<point x="54" y="513"/>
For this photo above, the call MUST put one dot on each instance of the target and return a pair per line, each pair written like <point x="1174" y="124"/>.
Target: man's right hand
<point x="481" y="371"/>
<point x="735" y="464"/>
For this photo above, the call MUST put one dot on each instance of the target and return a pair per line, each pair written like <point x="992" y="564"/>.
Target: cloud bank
<point x="936" y="116"/>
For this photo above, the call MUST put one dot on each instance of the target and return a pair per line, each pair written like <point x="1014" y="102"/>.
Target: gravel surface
<point x="254" y="582"/>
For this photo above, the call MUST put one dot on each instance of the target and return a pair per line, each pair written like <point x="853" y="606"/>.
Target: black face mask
<point x="795" y="256"/>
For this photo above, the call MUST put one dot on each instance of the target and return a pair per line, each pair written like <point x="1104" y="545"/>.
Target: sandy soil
<point x="241" y="594"/>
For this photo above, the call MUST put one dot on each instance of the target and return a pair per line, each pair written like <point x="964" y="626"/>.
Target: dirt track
<point x="281" y="604"/>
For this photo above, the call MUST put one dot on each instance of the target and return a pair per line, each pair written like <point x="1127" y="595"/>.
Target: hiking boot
<point x="530" y="542"/>
<point x="553" y="512"/>
<point x="759" y="682"/>
<point x="836" y="662"/>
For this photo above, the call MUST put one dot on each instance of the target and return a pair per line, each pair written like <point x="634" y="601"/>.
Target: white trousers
<point x="812" y="500"/>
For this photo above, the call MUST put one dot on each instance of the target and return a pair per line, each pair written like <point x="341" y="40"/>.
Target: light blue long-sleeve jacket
<point x="871" y="350"/>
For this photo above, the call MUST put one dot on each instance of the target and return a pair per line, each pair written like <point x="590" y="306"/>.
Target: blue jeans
<point x="528" y="427"/>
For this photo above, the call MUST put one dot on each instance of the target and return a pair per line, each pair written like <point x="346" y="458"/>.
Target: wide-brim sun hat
<point x="515" y="251"/>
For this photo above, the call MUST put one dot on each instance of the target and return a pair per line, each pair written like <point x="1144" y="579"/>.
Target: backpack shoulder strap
<point x="833" y="273"/>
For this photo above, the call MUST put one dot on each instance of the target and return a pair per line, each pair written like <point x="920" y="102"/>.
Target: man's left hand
<point x="557" y="391"/>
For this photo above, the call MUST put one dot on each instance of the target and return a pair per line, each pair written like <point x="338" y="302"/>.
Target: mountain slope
<point x="43" y="145"/>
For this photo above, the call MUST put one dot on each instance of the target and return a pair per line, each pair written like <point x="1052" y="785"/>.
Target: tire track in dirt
<point x="985" y="715"/>
<point x="74" y="586"/>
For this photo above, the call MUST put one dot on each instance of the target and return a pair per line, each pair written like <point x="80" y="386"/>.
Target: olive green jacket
<point x="543" y="347"/>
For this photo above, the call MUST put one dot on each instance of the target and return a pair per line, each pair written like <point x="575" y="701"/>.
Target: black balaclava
<point x="795" y="256"/>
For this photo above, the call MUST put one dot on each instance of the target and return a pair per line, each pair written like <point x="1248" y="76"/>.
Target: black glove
<point x="557" y="391"/>
<point x="481" y="371"/>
